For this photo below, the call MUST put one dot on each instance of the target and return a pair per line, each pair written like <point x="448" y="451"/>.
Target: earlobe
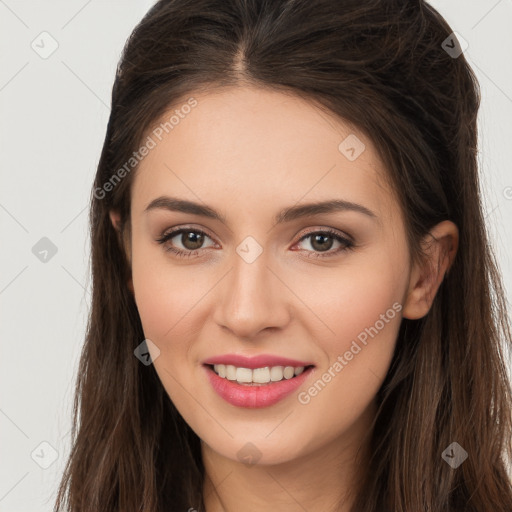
<point x="115" y="218"/>
<point x="440" y="247"/>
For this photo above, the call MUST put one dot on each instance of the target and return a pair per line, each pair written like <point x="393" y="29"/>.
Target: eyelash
<point x="347" y="244"/>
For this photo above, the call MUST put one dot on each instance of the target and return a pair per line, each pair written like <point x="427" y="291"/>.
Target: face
<point x="323" y="290"/>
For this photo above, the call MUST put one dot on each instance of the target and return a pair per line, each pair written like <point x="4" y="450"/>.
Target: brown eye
<point x="190" y="240"/>
<point x="322" y="242"/>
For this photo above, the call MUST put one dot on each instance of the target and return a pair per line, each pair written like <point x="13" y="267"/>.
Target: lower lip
<point x="253" y="397"/>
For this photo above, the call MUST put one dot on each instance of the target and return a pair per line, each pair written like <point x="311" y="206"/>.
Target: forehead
<point x="251" y="144"/>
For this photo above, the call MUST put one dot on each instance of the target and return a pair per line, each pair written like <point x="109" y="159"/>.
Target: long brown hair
<point x="385" y="67"/>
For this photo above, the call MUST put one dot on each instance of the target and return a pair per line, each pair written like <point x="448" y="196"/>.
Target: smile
<point x="257" y="376"/>
<point x="252" y="394"/>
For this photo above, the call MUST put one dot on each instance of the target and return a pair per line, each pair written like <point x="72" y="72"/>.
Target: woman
<point x="295" y="306"/>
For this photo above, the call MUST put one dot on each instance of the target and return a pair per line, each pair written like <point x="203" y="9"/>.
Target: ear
<point x="115" y="218"/>
<point x="440" y="247"/>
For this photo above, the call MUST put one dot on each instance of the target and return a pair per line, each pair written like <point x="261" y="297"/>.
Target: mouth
<point x="240" y="386"/>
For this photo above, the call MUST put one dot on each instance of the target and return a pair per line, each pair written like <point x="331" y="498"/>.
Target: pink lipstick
<point x="278" y="377"/>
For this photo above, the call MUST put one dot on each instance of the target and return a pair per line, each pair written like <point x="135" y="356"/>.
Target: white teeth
<point x="230" y="372"/>
<point x="243" y="375"/>
<point x="221" y="370"/>
<point x="261" y="375"/>
<point x="288" y="372"/>
<point x="276" y="373"/>
<point x="258" y="375"/>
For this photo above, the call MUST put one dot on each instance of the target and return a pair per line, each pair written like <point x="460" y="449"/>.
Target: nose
<point x="252" y="298"/>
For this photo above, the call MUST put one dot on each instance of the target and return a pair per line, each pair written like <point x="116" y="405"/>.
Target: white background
<point x="53" y="118"/>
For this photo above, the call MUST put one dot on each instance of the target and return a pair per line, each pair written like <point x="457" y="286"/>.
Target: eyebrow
<point x="285" y="215"/>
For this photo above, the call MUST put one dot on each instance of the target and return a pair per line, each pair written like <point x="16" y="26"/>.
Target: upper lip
<point x="259" y="361"/>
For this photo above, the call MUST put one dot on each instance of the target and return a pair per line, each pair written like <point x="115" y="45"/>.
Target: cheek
<point x="349" y="300"/>
<point x="364" y="311"/>
<point x="357" y="359"/>
<point x="363" y="322"/>
<point x="164" y="293"/>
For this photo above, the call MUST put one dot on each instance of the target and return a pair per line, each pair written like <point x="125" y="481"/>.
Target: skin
<point x="248" y="153"/>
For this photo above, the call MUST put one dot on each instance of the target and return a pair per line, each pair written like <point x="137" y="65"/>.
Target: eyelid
<point x="324" y="229"/>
